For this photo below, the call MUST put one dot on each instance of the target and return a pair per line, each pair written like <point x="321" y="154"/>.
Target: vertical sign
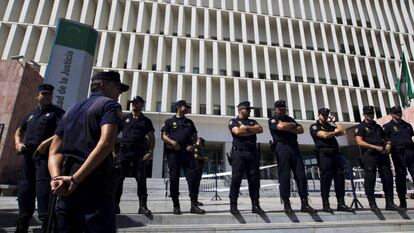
<point x="70" y="62"/>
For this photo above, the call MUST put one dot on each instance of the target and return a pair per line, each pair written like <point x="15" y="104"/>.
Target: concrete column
<point x="157" y="161"/>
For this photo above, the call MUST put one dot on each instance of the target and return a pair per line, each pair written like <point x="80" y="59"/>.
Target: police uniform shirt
<point x="400" y="133"/>
<point x="181" y="130"/>
<point x="371" y="133"/>
<point x="280" y="135"/>
<point x="243" y="140"/>
<point x="135" y="129"/>
<point x="323" y="142"/>
<point x="81" y="125"/>
<point x="40" y="124"/>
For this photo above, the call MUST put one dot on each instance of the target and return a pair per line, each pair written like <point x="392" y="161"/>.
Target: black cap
<point x="368" y="110"/>
<point x="110" y="76"/>
<point x="181" y="103"/>
<point x="45" y="88"/>
<point x="396" y="109"/>
<point x="280" y="104"/>
<point x="136" y="99"/>
<point x="245" y="104"/>
<point x="323" y="111"/>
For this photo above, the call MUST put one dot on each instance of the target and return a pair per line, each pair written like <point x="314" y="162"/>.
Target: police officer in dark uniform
<point x="32" y="140"/>
<point x="245" y="157"/>
<point x="329" y="159"/>
<point x="179" y="134"/>
<point x="83" y="143"/>
<point x="284" y="130"/>
<point x="375" y="148"/>
<point x="132" y="157"/>
<point x="199" y="157"/>
<point x="402" y="151"/>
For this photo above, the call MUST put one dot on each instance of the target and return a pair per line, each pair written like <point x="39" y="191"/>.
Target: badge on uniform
<point x="174" y="125"/>
<point x="395" y="129"/>
<point x="367" y="129"/>
<point x="127" y="120"/>
<point x="47" y="114"/>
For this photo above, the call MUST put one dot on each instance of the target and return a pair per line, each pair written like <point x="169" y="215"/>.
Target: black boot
<point x="389" y="205"/>
<point x="143" y="209"/>
<point x="22" y="225"/>
<point x="403" y="204"/>
<point x="233" y="207"/>
<point x="342" y="206"/>
<point x="176" y="204"/>
<point x="200" y="203"/>
<point x="325" y="205"/>
<point x="256" y="207"/>
<point x="287" y="206"/>
<point x="373" y="205"/>
<point x="305" y="206"/>
<point x="194" y="207"/>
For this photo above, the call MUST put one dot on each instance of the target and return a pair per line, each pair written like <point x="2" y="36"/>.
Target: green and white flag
<point x="404" y="88"/>
<point x="70" y="62"/>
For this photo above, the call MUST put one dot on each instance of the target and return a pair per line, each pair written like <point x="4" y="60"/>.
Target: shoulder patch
<point x="314" y="127"/>
<point x="356" y="130"/>
<point x="119" y="113"/>
<point x="47" y="114"/>
<point x="230" y="122"/>
<point x="30" y="118"/>
<point x="273" y="121"/>
<point x="127" y="120"/>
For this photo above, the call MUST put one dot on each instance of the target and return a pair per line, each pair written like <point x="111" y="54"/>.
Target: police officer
<point x="284" y="130"/>
<point x="179" y="134"/>
<point x="245" y="157"/>
<point x="375" y="148"/>
<point x="329" y="159"/>
<point x="132" y="157"/>
<point x="199" y="157"/>
<point x="83" y="142"/>
<point x="402" y="150"/>
<point x="32" y="140"/>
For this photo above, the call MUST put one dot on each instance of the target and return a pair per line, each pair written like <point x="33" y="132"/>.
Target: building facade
<point x="341" y="54"/>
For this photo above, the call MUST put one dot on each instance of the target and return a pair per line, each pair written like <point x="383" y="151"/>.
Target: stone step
<point x="247" y="217"/>
<point x="314" y="227"/>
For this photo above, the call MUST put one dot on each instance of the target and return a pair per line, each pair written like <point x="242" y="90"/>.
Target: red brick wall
<point x="18" y="89"/>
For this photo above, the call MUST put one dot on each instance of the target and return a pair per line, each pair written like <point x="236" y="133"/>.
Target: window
<point x="230" y="110"/>
<point x="297" y="114"/>
<point x="182" y="68"/>
<point x="139" y="66"/>
<point x="158" y="107"/>
<point x="346" y="116"/>
<point x="262" y="76"/>
<point x="168" y="68"/>
<point x="258" y="112"/>
<point x="311" y="80"/>
<point x="154" y="67"/>
<point x="196" y="70"/>
<point x="209" y="71"/>
<point x="223" y="72"/>
<point x="345" y="82"/>
<point x="334" y="81"/>
<point x="202" y="109"/>
<point x="236" y="73"/>
<point x="249" y="74"/>
<point x="273" y="77"/>
<point x="299" y="79"/>
<point x="172" y="107"/>
<point x="322" y="80"/>
<point x="310" y="115"/>
<point x="216" y="110"/>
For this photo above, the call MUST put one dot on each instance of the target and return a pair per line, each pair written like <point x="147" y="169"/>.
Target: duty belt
<point x="244" y="148"/>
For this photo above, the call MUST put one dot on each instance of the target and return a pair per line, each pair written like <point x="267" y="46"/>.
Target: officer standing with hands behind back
<point x="402" y="151"/>
<point x="285" y="130"/>
<point x="32" y="140"/>
<point x="83" y="143"/>
<point x="329" y="159"/>
<point x="245" y="157"/>
<point x="179" y="134"/>
<point x="375" y="149"/>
